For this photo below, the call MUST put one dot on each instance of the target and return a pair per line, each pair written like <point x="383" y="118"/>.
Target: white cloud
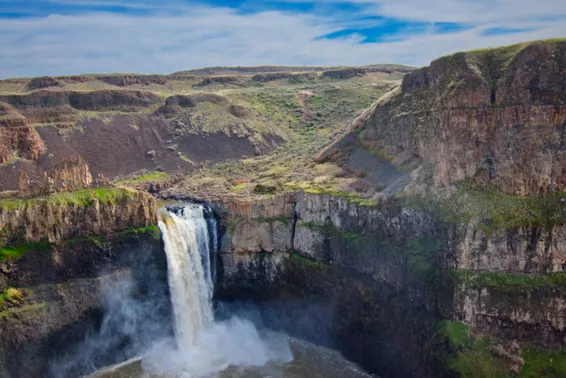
<point x="206" y="36"/>
<point x="464" y="11"/>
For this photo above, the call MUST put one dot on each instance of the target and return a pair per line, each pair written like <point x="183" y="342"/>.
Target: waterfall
<point x="188" y="245"/>
<point x="202" y="346"/>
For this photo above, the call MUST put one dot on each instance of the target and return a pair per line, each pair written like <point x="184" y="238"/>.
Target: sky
<point x="63" y="37"/>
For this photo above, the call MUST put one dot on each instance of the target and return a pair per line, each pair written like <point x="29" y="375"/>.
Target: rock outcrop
<point x="65" y="289"/>
<point x="68" y="175"/>
<point x="346" y="73"/>
<point x="126" y="80"/>
<point x="175" y="103"/>
<point x="42" y="82"/>
<point x="75" y="214"/>
<point x="16" y="139"/>
<point x="65" y="255"/>
<point x="494" y="116"/>
<point x="44" y="106"/>
<point x="361" y="260"/>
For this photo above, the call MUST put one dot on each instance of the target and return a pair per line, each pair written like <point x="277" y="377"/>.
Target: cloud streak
<point x="197" y="35"/>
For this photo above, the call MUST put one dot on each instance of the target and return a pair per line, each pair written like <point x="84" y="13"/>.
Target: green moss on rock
<point x="509" y="282"/>
<point x="282" y="219"/>
<point x="11" y="297"/>
<point x="456" y="333"/>
<point x="15" y="252"/>
<point x="303" y="260"/>
<point x="543" y="363"/>
<point x="494" y="209"/>
<point x="473" y="355"/>
<point x="102" y="241"/>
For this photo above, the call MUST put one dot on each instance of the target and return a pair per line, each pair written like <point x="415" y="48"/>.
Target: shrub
<point x="360" y="185"/>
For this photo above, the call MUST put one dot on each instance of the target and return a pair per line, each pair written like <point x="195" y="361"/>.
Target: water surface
<point x="310" y="361"/>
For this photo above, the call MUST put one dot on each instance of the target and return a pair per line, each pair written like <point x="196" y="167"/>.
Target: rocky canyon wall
<point x="394" y="281"/>
<point x="494" y="116"/>
<point x="82" y="213"/>
<point x="66" y="260"/>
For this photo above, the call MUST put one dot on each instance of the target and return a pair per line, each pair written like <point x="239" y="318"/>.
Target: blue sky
<point x="61" y="37"/>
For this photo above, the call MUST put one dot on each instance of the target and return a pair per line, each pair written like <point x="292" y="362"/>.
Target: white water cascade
<point x="187" y="246"/>
<point x="203" y="347"/>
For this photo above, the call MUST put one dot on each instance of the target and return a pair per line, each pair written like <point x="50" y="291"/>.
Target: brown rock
<point x="42" y="82"/>
<point x="496" y="115"/>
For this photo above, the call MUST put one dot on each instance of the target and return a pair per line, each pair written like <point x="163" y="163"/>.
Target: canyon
<point x="412" y="219"/>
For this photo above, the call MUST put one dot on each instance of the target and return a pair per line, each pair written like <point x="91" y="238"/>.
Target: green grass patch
<point x="506" y="53"/>
<point x="478" y="361"/>
<point x="543" y="363"/>
<point x="296" y="257"/>
<point x="149" y="230"/>
<point x="11" y="297"/>
<point x="312" y="188"/>
<point x="457" y="333"/>
<point x="83" y="198"/>
<point x="351" y="236"/>
<point x="509" y="282"/>
<point x="105" y="240"/>
<point x="473" y="357"/>
<point x="148" y="177"/>
<point x="310" y="225"/>
<point x="14" y="253"/>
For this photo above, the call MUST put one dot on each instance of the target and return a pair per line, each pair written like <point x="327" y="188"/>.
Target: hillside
<point x="125" y="125"/>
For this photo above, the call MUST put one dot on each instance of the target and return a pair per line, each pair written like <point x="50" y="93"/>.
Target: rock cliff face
<point x="77" y="214"/>
<point x="395" y="277"/>
<point x="17" y="140"/>
<point x="493" y="116"/>
<point x="520" y="250"/>
<point x="64" y="258"/>
<point x="64" y="291"/>
<point x="45" y="106"/>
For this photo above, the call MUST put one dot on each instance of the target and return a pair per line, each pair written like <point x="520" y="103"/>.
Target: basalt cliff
<point x="412" y="219"/>
<point x="457" y="268"/>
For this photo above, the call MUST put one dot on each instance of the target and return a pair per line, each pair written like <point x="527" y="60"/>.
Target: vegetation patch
<point x="308" y="118"/>
<point x="313" y="188"/>
<point x="82" y="198"/>
<point x="510" y="283"/>
<point x="494" y="209"/>
<point x="457" y="333"/>
<point x="473" y="355"/>
<point x="20" y="314"/>
<point x="543" y="363"/>
<point x="147" y="177"/>
<point x="103" y="241"/>
<point x="421" y="258"/>
<point x="296" y="257"/>
<point x="11" y="297"/>
<point x="310" y="225"/>
<point x="14" y="253"/>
